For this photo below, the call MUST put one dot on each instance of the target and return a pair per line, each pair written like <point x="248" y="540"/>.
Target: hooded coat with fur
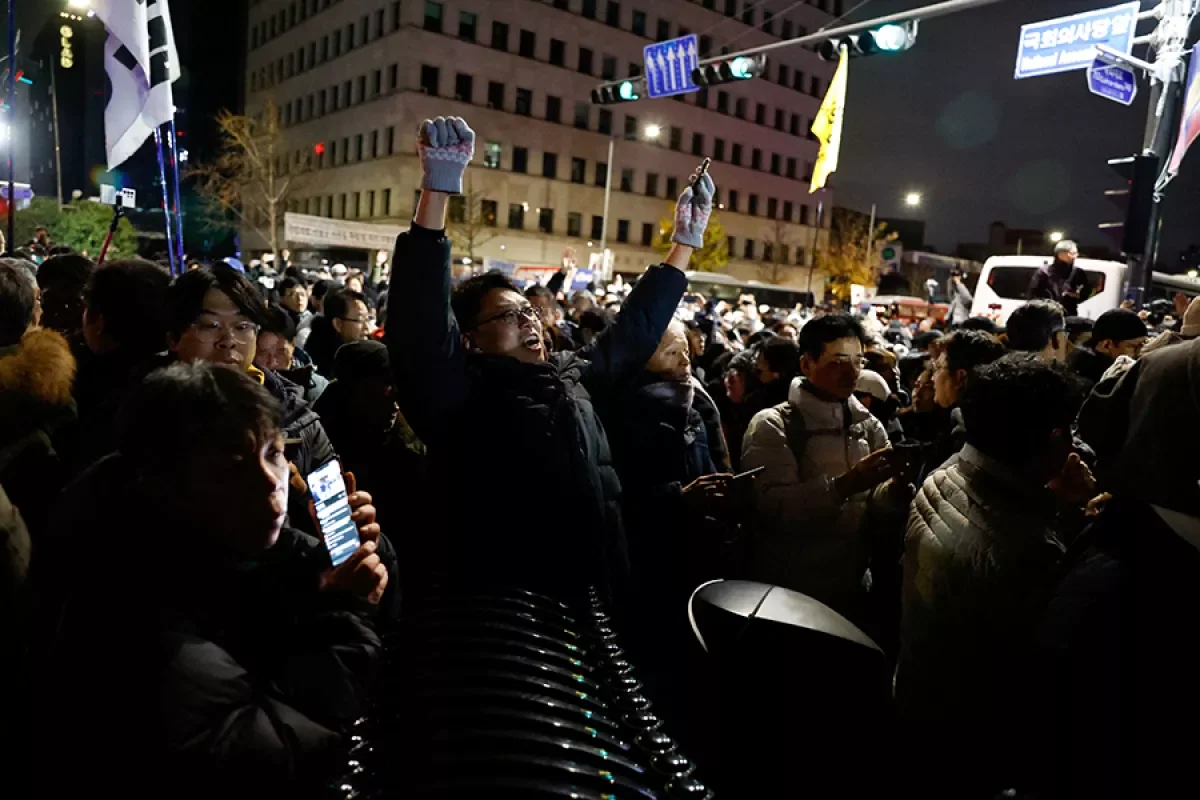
<point x="37" y="421"/>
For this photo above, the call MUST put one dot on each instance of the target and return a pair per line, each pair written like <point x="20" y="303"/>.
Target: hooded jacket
<point x="809" y="538"/>
<point x="37" y="422"/>
<point x="537" y="500"/>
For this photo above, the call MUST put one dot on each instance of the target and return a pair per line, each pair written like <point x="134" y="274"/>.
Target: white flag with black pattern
<point x="141" y="63"/>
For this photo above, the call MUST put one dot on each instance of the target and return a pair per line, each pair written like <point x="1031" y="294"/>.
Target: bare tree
<point x="472" y="220"/>
<point x="849" y="258"/>
<point x="774" y="267"/>
<point x="252" y="177"/>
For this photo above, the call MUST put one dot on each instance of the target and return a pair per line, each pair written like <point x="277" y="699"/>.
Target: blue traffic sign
<point x="1067" y="43"/>
<point x="1113" y="81"/>
<point x="669" y="65"/>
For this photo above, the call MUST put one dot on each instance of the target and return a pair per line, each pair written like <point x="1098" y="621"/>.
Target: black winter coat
<point x="535" y="498"/>
<point x="226" y="678"/>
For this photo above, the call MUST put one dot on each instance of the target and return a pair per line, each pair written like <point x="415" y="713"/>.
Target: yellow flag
<point x="827" y="127"/>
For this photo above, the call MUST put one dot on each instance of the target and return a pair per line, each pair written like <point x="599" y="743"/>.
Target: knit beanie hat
<point x="1118" y="325"/>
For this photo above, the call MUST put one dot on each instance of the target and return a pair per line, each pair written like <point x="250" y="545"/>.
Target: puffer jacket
<point x="808" y="538"/>
<point x="981" y="558"/>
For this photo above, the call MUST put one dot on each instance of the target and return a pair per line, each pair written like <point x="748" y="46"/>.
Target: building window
<point x="630" y="127"/>
<point x="578" y="170"/>
<point x="374" y="144"/>
<point x="748" y="249"/>
<point x="718" y="150"/>
<point x="723" y="102"/>
<point x="787" y="210"/>
<point x="489" y="210"/>
<point x="605" y="124"/>
<point x="546" y="220"/>
<point x="466" y="25"/>
<point x="520" y="160"/>
<point x="808" y="169"/>
<point x="491" y="155"/>
<point x="735" y="157"/>
<point x="597" y="226"/>
<point x="583" y="112"/>
<point x="676" y="140"/>
<point x="752" y="205"/>
<point x="574" y="224"/>
<point x="663" y="31"/>
<point x="526" y="44"/>
<point x="341" y="206"/>
<point x="772" y="207"/>
<point x="647" y="234"/>
<point x="798" y="81"/>
<point x="357" y="205"/>
<point x="739" y="108"/>
<point x="731" y="8"/>
<point x="376" y="82"/>
<point x="553" y="109"/>
<point x="524" y="102"/>
<point x="697" y="144"/>
<point x="589" y="9"/>
<point x="337" y="41"/>
<point x="639" y="23"/>
<point x="731" y="246"/>
<point x="601" y="174"/>
<point x="558" y="52"/>
<point x="385" y="203"/>
<point x="814" y="86"/>
<point x="780" y="116"/>
<point x="774" y="163"/>
<point x="760" y="114"/>
<point x="768" y="252"/>
<point x="608" y="68"/>
<point x="756" y="159"/>
<point x="516" y="216"/>
<point x="626" y="180"/>
<point x="429" y="79"/>
<point x="794" y="125"/>
<point x="705" y="46"/>
<point x="803" y="215"/>
<point x="748" y="14"/>
<point x="495" y="95"/>
<point x="379" y="23"/>
<point x="672" y="187"/>
<point x="651" y="184"/>
<point x="433" y="16"/>
<point x="358" y="147"/>
<point x="635" y="69"/>
<point x="612" y="14"/>
<point x="393" y="76"/>
<point x="791" y="168"/>
<point x="733" y="200"/>
<point x="500" y="35"/>
<point x="623" y="230"/>
<point x="362" y="88"/>
<point x="549" y="165"/>
<point x="391" y="140"/>
<point x="785" y="31"/>
<point x="457" y="211"/>
<point x="585" y="61"/>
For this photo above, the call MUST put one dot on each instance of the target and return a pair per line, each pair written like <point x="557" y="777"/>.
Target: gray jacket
<point x="808" y="538"/>
<point x="960" y="302"/>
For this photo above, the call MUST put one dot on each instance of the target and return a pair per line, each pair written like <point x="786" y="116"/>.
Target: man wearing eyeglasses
<point x="1060" y="280"/>
<point x="536" y="501"/>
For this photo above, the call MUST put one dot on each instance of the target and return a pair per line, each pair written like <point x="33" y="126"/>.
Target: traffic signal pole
<point x="1169" y="45"/>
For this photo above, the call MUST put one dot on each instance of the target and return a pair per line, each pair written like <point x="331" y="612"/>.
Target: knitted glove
<point x="692" y="211"/>
<point x="445" y="145"/>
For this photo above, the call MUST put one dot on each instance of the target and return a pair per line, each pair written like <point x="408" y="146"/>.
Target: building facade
<point x="354" y="78"/>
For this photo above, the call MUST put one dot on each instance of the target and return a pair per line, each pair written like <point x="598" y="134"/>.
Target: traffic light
<point x="1136" y="201"/>
<point x="890" y="38"/>
<point x="741" y="68"/>
<point x="617" y="92"/>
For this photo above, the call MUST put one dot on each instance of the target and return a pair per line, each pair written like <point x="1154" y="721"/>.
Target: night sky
<point x="947" y="119"/>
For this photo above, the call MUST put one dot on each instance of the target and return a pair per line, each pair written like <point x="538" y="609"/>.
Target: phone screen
<point x="333" y="512"/>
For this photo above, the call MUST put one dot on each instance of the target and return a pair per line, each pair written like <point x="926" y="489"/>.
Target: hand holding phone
<point x="332" y="508"/>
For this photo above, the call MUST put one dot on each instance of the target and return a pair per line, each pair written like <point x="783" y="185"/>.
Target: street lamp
<point x="1056" y="236"/>
<point x="912" y="199"/>
<point x="79" y="4"/>
<point x="650" y="133"/>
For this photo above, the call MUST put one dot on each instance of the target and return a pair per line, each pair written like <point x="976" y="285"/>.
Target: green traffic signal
<point x="626" y="91"/>
<point x="742" y="68"/>
<point x="891" y="37"/>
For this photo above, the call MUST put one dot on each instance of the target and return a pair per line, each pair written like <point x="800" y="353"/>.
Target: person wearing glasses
<point x="345" y="319"/>
<point x="536" y="498"/>
<point x="1060" y="280"/>
<point x="214" y="314"/>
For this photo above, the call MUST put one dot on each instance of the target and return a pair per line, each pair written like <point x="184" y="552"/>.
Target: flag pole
<point x="162" y="174"/>
<point x="178" y="205"/>
<point x="12" y="116"/>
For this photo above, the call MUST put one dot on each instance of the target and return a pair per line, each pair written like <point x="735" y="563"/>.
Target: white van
<point x="1004" y="285"/>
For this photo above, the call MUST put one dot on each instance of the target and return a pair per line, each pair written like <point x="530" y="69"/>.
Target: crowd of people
<point x="1012" y="514"/>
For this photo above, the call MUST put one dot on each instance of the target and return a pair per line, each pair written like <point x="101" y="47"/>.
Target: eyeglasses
<point x="210" y="331"/>
<point x="513" y="315"/>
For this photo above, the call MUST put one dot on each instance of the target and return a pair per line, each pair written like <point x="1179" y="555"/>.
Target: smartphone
<point x="701" y="172"/>
<point x="333" y="511"/>
<point x="750" y="473"/>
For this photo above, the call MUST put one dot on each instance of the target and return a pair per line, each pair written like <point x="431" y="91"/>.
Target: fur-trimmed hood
<point x="41" y="367"/>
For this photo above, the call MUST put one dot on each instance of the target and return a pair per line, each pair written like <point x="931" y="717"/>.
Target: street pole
<point x="871" y="239"/>
<point x="57" y="149"/>
<point x="1169" y="42"/>
<point x="607" y="197"/>
<point x="12" y="116"/>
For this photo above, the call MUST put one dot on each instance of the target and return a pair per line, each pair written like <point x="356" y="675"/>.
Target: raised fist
<point x="692" y="212"/>
<point x="445" y="145"/>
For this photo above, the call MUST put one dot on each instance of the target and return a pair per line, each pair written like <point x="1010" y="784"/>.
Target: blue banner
<point x="1068" y="43"/>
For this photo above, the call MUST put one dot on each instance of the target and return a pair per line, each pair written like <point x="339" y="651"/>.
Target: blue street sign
<point x="1067" y="43"/>
<point x="1112" y="81"/>
<point x="669" y="65"/>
